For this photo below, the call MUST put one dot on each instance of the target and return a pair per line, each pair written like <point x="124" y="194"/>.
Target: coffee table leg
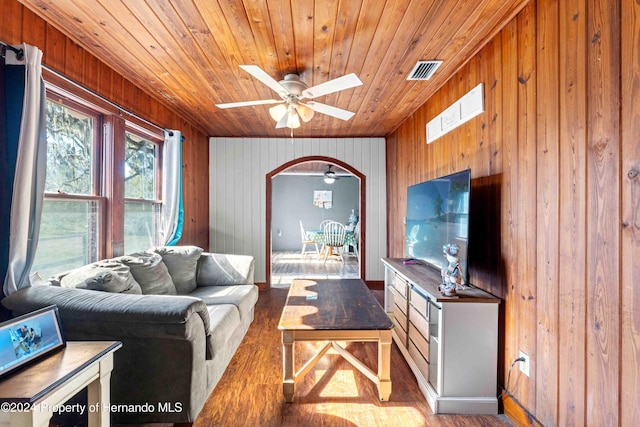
<point x="288" y="359"/>
<point x="384" y="362"/>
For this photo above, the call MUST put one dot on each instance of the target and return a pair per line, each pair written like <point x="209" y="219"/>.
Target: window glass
<point x="140" y="226"/>
<point x="68" y="236"/>
<point x="141" y="207"/>
<point x="69" y="150"/>
<point x="140" y="168"/>
<point x="70" y="225"/>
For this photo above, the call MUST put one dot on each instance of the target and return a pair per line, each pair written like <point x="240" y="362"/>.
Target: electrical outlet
<point x="524" y="366"/>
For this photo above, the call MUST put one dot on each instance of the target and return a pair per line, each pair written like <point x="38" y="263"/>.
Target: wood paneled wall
<point x="19" y="25"/>
<point x="555" y="233"/>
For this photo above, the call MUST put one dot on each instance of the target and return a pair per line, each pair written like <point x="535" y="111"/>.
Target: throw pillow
<point x="181" y="261"/>
<point x="37" y="280"/>
<point x="225" y="269"/>
<point x="150" y="272"/>
<point x="106" y="276"/>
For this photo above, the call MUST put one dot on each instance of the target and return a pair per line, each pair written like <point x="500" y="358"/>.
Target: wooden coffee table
<point x="334" y="310"/>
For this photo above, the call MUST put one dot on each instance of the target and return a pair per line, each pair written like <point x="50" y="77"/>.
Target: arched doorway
<point x="328" y="160"/>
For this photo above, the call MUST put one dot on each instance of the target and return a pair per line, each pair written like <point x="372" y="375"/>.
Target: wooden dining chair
<point x="307" y="241"/>
<point x="334" y="238"/>
<point x="325" y="222"/>
<point x="322" y="224"/>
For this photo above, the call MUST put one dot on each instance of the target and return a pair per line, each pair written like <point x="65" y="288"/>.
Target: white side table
<point x="31" y="396"/>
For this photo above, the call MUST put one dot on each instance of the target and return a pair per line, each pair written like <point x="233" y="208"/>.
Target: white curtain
<point x="172" y="211"/>
<point x="30" y="172"/>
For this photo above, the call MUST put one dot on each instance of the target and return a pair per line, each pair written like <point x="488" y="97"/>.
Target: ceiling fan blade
<point x="265" y="78"/>
<point x="248" y="103"/>
<point x="335" y="85"/>
<point x="329" y="110"/>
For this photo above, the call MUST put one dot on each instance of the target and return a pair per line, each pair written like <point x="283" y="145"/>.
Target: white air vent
<point x="423" y="70"/>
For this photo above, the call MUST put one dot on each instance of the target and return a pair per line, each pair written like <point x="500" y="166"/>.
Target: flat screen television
<point x="437" y="215"/>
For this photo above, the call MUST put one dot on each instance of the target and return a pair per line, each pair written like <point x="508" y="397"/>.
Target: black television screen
<point x="437" y="215"/>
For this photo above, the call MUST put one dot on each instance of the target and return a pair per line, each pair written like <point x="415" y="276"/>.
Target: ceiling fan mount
<point x="293" y="85"/>
<point x="296" y="98"/>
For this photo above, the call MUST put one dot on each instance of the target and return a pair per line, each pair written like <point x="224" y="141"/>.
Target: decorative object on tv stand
<point x="452" y="278"/>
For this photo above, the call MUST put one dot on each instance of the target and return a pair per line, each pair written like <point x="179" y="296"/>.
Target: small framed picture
<point x="28" y="338"/>
<point x="323" y="198"/>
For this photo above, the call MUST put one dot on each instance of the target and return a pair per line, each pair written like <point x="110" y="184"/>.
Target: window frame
<point x="97" y="160"/>
<point x="108" y="149"/>
<point x="156" y="139"/>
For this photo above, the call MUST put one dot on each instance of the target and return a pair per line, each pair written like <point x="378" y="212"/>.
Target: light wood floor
<point x="332" y="394"/>
<point x="287" y="265"/>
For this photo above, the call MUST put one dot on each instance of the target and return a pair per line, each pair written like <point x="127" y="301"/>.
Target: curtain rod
<point x="20" y="54"/>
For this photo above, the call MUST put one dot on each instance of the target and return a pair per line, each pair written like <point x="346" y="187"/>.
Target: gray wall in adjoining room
<point x="292" y="202"/>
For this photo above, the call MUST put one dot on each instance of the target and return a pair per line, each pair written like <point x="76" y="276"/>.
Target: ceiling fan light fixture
<point x="305" y="112"/>
<point x="277" y="112"/>
<point x="293" y="121"/>
<point x="329" y="176"/>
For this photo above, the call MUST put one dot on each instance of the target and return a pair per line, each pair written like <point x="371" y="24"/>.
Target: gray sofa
<point x="175" y="347"/>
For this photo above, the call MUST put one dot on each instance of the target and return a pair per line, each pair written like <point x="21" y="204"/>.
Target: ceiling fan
<point x="330" y="176"/>
<point x="296" y="99"/>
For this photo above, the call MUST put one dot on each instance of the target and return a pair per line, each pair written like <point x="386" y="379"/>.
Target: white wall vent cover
<point x="423" y="70"/>
<point x="461" y="111"/>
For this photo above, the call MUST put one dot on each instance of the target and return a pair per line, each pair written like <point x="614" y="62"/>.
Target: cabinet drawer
<point x="418" y="321"/>
<point x="421" y="362"/>
<point x="399" y="301"/>
<point x="401" y="285"/>
<point x="400" y="319"/>
<point x="419" y="341"/>
<point x="400" y="326"/>
<point x="420" y="302"/>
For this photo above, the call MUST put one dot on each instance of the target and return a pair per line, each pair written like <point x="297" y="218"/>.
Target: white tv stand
<point x="450" y="343"/>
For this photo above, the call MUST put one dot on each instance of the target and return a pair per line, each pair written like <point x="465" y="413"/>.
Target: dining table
<point x="318" y="237"/>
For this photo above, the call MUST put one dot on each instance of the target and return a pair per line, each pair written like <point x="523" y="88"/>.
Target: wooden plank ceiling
<point x="187" y="53"/>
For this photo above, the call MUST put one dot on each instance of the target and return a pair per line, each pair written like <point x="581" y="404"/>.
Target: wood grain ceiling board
<point x="187" y="53"/>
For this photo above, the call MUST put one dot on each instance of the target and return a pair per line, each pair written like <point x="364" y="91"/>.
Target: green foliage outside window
<point x="69" y="150"/>
<point x="140" y="169"/>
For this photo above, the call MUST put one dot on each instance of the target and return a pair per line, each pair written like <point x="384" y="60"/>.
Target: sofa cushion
<point x="106" y="276"/>
<point x="225" y="269"/>
<point x="242" y="296"/>
<point x="181" y="261"/>
<point x="150" y="272"/>
<point x="224" y="319"/>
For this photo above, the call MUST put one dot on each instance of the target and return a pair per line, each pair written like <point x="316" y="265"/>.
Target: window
<point x="71" y="214"/>
<point x="100" y="200"/>
<point x="141" y="205"/>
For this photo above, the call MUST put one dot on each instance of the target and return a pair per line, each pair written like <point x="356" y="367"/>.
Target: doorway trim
<point x="362" y="220"/>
